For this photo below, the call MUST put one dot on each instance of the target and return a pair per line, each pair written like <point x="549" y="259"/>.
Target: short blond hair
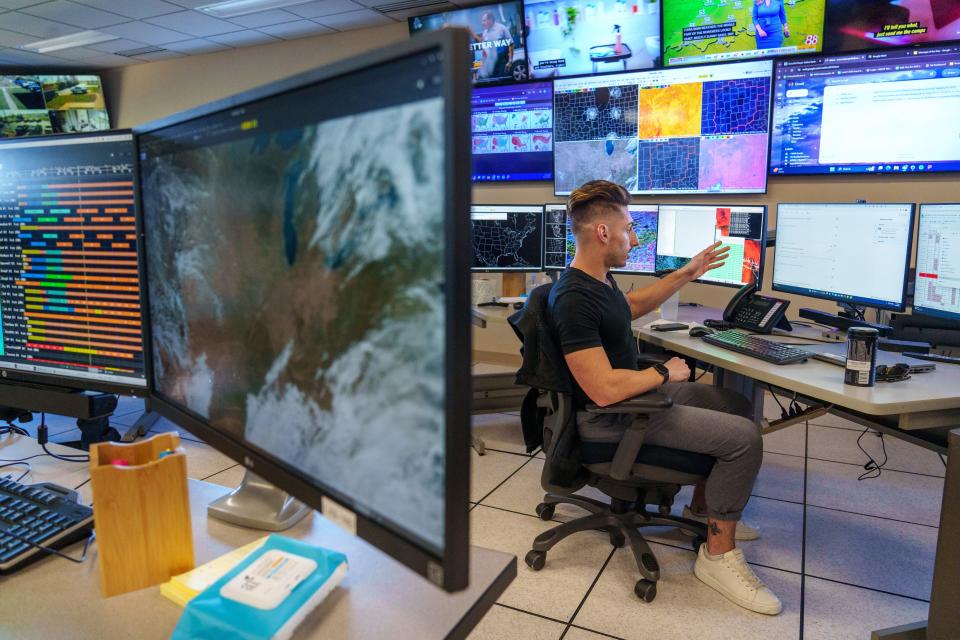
<point x="593" y="200"/>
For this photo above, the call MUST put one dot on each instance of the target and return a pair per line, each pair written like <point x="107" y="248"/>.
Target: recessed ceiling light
<point x="233" y="8"/>
<point x="81" y="39"/>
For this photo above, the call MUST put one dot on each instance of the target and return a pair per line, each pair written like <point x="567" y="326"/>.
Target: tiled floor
<point x="845" y="556"/>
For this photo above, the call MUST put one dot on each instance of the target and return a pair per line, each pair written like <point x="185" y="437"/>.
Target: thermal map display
<point x="512" y="132"/>
<point x="695" y="130"/>
<point x="701" y="31"/>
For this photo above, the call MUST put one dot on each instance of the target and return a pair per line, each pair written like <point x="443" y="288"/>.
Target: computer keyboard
<point x="933" y="357"/>
<point x="756" y="347"/>
<point x="43" y="513"/>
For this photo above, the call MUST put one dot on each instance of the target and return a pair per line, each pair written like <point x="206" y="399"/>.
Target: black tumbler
<point x="861" y="356"/>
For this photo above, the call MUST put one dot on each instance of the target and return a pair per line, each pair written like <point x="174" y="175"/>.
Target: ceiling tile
<point x="34" y="26"/>
<point x="110" y="61"/>
<point x="143" y="32"/>
<point x="14" y="39"/>
<point x="243" y="38"/>
<point x="15" y="56"/>
<point x="74" y="14"/>
<point x="298" y="29"/>
<point x="76" y="53"/>
<point x="137" y="9"/>
<point x="264" y="18"/>
<point x="18" y="4"/>
<point x="195" y="23"/>
<point x="325" y="8"/>
<point x="199" y="45"/>
<point x="355" y="20"/>
<point x="116" y="45"/>
<point x="160" y="55"/>
<point x="192" y="4"/>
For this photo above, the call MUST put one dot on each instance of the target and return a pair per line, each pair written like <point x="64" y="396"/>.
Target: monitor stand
<point x="259" y="505"/>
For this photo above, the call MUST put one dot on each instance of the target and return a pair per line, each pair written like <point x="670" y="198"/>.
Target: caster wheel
<point x="645" y="590"/>
<point x="698" y="542"/>
<point x="536" y="559"/>
<point x="664" y="509"/>
<point x="545" y="511"/>
<point x="618" y="540"/>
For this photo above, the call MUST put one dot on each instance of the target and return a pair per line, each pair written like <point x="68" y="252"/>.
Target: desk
<point x="379" y="598"/>
<point x="921" y="410"/>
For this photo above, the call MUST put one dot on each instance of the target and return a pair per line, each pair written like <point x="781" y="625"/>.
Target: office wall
<point x="141" y="93"/>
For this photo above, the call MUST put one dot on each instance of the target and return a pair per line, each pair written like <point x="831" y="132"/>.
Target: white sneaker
<point x="745" y="530"/>
<point x="734" y="579"/>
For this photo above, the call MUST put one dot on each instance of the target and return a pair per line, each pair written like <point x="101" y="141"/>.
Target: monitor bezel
<point x="65" y="380"/>
<point x="926" y="311"/>
<point x="533" y="269"/>
<point x="763" y="238"/>
<point x="853" y="300"/>
<point x="678" y="194"/>
<point x="813" y="171"/>
<point x="449" y="569"/>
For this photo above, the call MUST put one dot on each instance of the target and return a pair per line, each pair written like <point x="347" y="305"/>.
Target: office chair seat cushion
<point x="652" y="455"/>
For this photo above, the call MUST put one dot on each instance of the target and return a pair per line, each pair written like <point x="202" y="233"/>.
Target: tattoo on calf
<point x="714" y="529"/>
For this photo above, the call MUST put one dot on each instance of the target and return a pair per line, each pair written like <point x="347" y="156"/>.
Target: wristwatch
<point x="662" y="370"/>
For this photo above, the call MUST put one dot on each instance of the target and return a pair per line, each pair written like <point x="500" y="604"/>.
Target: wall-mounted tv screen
<point x="512" y="132"/>
<point x="700" y="31"/>
<point x="36" y="105"/>
<point x="499" y="53"/>
<point x="872" y="24"/>
<point x="883" y="111"/>
<point x="567" y="38"/>
<point x="668" y="131"/>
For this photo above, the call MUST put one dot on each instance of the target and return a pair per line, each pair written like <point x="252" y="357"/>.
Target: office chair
<point x="635" y="477"/>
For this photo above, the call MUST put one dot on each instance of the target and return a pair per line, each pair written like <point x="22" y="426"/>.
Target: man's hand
<point x="679" y="371"/>
<point x="710" y="258"/>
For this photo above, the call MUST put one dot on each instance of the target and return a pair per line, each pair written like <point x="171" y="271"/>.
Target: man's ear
<point x="603" y="233"/>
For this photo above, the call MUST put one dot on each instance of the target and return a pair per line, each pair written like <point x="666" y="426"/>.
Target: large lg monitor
<point x="507" y="237"/>
<point x="69" y="282"/>
<point x="872" y="24"/>
<point x="308" y="289"/>
<point x="882" y="112"/>
<point x="701" y="31"/>
<point x="669" y="131"/>
<point x="936" y="290"/>
<point x="497" y="43"/>
<point x="513" y="132"/>
<point x="686" y="230"/>
<point x="36" y="105"/>
<point x="852" y="253"/>
<point x="568" y="39"/>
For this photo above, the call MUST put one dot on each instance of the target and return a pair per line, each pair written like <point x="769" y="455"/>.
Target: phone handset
<point x="754" y="312"/>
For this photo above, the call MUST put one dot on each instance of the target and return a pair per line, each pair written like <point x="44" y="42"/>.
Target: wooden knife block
<point x="141" y="513"/>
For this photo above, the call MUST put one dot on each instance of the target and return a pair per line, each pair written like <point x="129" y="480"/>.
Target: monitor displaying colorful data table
<point x="879" y="112"/>
<point x="669" y="131"/>
<point x="69" y="279"/>
<point x="701" y="31"/>
<point x="936" y="290"/>
<point x="686" y="230"/>
<point x="507" y="237"/>
<point x="852" y="253"/>
<point x="589" y="37"/>
<point x="512" y="132"/>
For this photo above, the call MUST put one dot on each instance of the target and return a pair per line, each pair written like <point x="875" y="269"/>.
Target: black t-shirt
<point x="587" y="313"/>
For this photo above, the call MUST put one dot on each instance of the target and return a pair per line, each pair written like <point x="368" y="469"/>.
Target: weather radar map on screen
<point x="560" y="246"/>
<point x="690" y="130"/>
<point x="296" y="283"/>
<point x="700" y="31"/>
<point x="512" y="129"/>
<point x="497" y="42"/>
<point x="506" y="237"/>
<point x="870" y="24"/>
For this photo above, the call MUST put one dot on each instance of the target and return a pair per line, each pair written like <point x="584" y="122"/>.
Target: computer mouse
<point x="697" y="332"/>
<point x="518" y="305"/>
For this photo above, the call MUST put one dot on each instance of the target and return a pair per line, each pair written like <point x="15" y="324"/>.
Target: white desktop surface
<point x="379" y="598"/>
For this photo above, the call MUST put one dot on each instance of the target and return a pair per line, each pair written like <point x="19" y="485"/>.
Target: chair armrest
<point x="626" y="453"/>
<point x="650" y="359"/>
<point x="647" y="403"/>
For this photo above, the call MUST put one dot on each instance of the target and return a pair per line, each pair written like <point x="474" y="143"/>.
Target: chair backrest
<point x="545" y="369"/>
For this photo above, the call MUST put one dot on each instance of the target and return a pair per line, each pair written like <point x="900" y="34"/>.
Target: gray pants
<point x="707" y="420"/>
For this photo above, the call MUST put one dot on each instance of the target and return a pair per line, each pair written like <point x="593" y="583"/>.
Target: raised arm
<point x="643" y="301"/>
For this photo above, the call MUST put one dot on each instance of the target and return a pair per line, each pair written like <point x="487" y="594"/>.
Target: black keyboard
<point x="757" y="347"/>
<point x="933" y="357"/>
<point x="43" y="513"/>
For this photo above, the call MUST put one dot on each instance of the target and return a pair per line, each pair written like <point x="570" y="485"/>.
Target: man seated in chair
<point x="592" y="319"/>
